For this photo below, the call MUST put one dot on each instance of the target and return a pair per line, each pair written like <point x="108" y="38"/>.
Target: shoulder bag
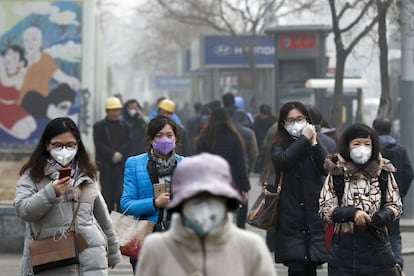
<point x="263" y="213"/>
<point x="58" y="250"/>
<point x="131" y="232"/>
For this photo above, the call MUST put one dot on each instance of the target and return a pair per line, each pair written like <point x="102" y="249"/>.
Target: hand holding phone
<point x="64" y="172"/>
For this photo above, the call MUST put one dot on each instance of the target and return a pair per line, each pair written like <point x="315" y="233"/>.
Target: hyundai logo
<point x="223" y="50"/>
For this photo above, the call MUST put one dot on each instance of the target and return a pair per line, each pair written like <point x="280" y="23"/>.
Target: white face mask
<point x="63" y="156"/>
<point x="360" y="155"/>
<point x="132" y="112"/>
<point x="204" y="215"/>
<point x="296" y="129"/>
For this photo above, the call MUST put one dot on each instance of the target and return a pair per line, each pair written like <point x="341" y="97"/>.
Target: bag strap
<point x="266" y="179"/>
<point x="152" y="171"/>
<point x="72" y="225"/>
<point x="279" y="184"/>
<point x="181" y="259"/>
<point x="339" y="185"/>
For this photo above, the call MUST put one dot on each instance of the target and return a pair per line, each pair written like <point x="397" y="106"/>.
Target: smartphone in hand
<point x="159" y="188"/>
<point x="64" y="172"/>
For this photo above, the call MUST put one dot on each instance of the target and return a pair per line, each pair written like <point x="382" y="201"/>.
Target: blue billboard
<point x="226" y="51"/>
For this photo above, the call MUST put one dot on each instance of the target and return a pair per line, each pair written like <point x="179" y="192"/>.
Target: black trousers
<point x="112" y="186"/>
<point x="242" y="215"/>
<point x="301" y="269"/>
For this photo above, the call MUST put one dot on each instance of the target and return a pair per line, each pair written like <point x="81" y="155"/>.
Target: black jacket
<point x="301" y="231"/>
<point x="399" y="158"/>
<point x="404" y="174"/>
<point x="261" y="125"/>
<point x="110" y="137"/>
<point x="138" y="128"/>
<point x="230" y="149"/>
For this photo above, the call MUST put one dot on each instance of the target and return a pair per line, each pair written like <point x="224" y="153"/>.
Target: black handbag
<point x="263" y="213"/>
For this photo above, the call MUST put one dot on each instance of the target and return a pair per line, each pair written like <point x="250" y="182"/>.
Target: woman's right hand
<point x="61" y="185"/>
<point x="162" y="200"/>
<point x="309" y="131"/>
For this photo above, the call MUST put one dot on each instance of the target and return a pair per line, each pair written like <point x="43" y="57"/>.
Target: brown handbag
<point x="263" y="213"/>
<point x="58" y="250"/>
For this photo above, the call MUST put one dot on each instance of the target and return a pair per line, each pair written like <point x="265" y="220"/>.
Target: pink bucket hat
<point x="200" y="173"/>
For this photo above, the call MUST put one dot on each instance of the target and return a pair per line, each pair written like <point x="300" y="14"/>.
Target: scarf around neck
<point x="164" y="166"/>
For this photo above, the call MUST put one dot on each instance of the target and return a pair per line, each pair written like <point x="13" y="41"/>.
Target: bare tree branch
<point x="361" y="14"/>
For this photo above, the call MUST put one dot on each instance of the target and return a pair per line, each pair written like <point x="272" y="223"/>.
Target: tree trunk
<point x="384" y="108"/>
<point x="336" y="112"/>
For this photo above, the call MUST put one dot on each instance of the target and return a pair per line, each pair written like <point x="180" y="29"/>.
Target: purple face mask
<point x="164" y="145"/>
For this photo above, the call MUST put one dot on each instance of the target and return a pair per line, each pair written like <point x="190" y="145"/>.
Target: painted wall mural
<point x="40" y="67"/>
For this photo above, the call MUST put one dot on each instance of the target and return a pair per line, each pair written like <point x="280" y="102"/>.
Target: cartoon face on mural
<point x="40" y="72"/>
<point x="14" y="60"/>
<point x="32" y="41"/>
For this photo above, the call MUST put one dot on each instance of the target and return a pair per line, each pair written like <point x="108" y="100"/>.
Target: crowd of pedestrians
<point x="340" y="204"/>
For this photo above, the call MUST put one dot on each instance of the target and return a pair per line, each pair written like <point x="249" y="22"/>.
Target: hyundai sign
<point x="172" y="83"/>
<point x="227" y="52"/>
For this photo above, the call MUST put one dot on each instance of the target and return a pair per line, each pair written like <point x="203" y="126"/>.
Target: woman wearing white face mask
<point x="299" y="239"/>
<point x="47" y="202"/>
<point x="202" y="239"/>
<point x="360" y="196"/>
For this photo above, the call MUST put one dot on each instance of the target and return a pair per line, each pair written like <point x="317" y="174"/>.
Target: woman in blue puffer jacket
<point x="154" y="167"/>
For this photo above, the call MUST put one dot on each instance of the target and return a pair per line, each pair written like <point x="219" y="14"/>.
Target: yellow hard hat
<point x="167" y="105"/>
<point x="113" y="103"/>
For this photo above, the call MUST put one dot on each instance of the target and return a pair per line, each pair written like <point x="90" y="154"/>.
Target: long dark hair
<point x="282" y="135"/>
<point x="354" y="131"/>
<point x="155" y="125"/>
<point x="38" y="159"/>
<point x="219" y="124"/>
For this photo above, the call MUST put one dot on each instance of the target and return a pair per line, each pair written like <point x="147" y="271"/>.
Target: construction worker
<point x="113" y="142"/>
<point x="166" y="108"/>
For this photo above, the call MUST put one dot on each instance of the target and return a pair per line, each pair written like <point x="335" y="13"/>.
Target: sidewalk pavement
<point x="10" y="263"/>
<point x="407" y="236"/>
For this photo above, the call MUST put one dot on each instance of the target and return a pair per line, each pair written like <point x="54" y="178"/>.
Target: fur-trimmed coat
<point x="359" y="249"/>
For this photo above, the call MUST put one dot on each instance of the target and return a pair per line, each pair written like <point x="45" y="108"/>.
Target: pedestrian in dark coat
<point x="262" y="122"/>
<point x="220" y="137"/>
<point x="249" y="139"/>
<point x="112" y="141"/>
<point x="327" y="141"/>
<point x="362" y="207"/>
<point x="404" y="175"/>
<point x="137" y="122"/>
<point x="297" y="153"/>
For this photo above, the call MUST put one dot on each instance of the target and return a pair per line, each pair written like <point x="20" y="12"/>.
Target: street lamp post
<point x="407" y="91"/>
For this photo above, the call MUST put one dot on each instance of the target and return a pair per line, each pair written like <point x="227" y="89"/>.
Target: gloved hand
<point x="378" y="232"/>
<point x="344" y="214"/>
<point x="117" y="157"/>
<point x="382" y="217"/>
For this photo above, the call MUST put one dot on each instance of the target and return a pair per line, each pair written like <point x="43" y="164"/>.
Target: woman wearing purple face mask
<point x="147" y="176"/>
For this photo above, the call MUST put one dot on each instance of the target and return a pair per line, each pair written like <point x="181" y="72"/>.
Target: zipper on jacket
<point x="203" y="249"/>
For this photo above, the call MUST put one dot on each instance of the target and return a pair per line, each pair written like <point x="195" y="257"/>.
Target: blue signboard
<point x="172" y="83"/>
<point x="225" y="51"/>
